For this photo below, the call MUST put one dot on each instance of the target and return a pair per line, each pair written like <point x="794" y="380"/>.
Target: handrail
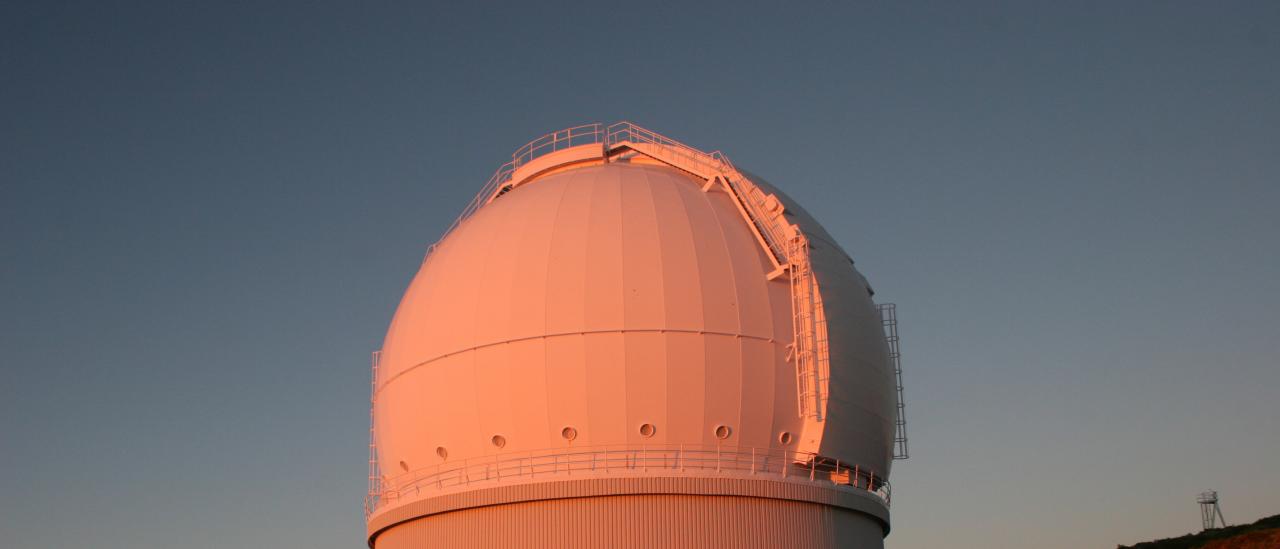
<point x="630" y="460"/>
<point x="615" y="134"/>
<point x="546" y="144"/>
<point x="554" y="141"/>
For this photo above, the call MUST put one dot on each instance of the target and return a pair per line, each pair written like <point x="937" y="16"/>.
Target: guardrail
<point x="587" y="134"/>
<point x="549" y="143"/>
<point x="629" y="460"/>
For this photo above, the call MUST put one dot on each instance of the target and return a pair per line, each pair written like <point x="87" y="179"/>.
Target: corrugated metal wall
<point x="659" y="520"/>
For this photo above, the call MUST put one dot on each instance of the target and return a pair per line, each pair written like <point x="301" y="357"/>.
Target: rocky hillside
<point x="1263" y="534"/>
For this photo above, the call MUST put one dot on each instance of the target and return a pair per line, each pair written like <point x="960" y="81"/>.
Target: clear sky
<point x="208" y="213"/>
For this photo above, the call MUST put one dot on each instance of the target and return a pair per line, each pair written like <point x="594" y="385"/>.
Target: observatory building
<point x="624" y="341"/>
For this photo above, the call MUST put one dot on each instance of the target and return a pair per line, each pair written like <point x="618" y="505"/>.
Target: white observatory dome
<point x="609" y="314"/>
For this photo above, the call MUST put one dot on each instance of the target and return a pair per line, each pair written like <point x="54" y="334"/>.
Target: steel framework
<point x="1210" y="512"/>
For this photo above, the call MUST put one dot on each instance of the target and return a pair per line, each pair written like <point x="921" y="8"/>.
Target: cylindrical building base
<point x="676" y="520"/>
<point x="642" y="520"/>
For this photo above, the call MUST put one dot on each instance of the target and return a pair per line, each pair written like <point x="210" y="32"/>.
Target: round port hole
<point x="647" y="430"/>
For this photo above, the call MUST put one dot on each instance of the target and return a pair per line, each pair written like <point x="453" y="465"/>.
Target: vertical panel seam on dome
<point x="586" y="302"/>
<point x="519" y="223"/>
<point x="662" y="302"/>
<point x="657" y="236"/>
<point x="547" y="437"/>
<point x="680" y="221"/>
<point x="728" y="252"/>
<point x="746" y="291"/>
<point x="557" y="225"/>
<point x="706" y="201"/>
<point x="475" y="329"/>
<point x="776" y="423"/>
<point x="684" y="221"/>
<point x="741" y="290"/>
<point x="759" y="288"/>
<point x="700" y="277"/>
<point x="622" y="298"/>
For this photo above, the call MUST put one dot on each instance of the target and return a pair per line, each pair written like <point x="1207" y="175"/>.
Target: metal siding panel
<point x="640" y="521"/>
<point x="606" y="392"/>
<point x="750" y="268"/>
<point x="602" y="294"/>
<point x="797" y="490"/>
<point x="682" y="290"/>
<point x="566" y="383"/>
<point x="642" y="290"/>
<point x="532" y="420"/>
<point x="566" y="276"/>
<point x="714" y="267"/>
<point x="533" y="259"/>
<point x="686" y="387"/>
<point x="646" y="370"/>
<point x="758" y="380"/>
<point x="495" y="405"/>
<point x="492" y="316"/>
<point x="724" y="389"/>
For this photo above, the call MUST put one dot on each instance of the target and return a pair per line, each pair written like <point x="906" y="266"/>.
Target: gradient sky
<point x="208" y="214"/>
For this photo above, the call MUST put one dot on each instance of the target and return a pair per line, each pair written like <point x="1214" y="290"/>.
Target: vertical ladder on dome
<point x="807" y="351"/>
<point x="889" y="319"/>
<point x="375" y="480"/>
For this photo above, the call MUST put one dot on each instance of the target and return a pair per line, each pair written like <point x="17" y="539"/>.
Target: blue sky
<point x="208" y="214"/>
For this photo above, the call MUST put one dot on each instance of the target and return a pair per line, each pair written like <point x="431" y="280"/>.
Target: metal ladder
<point x="375" y="476"/>
<point x="810" y="343"/>
<point x="889" y="320"/>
